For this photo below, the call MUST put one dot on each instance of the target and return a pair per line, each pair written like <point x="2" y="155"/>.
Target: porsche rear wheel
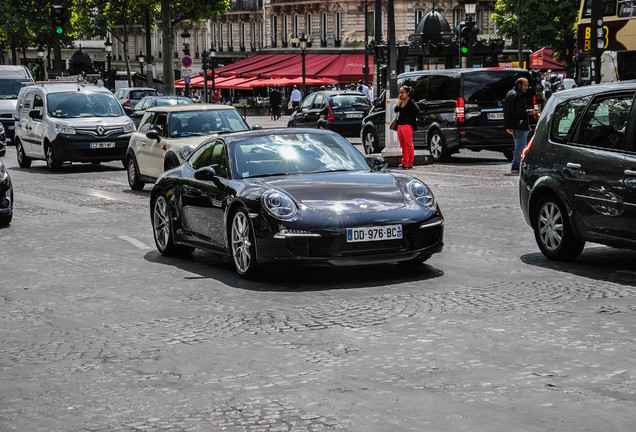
<point x="242" y="245"/>
<point x="162" y="229"/>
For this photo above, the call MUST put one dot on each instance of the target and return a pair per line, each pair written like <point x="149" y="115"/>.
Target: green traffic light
<point x="464" y="50"/>
<point x="59" y="30"/>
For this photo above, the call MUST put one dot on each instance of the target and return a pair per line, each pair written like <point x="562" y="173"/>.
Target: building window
<point x="196" y="41"/>
<point x="285" y="29"/>
<point x="242" y="36"/>
<point x="338" y="26"/>
<point x="214" y="31"/>
<point x="308" y="24"/>
<point x="457" y="17"/>
<point x="221" y="37"/>
<point x="261" y="38"/>
<point x="274" y="31"/>
<point x="230" y="36"/>
<point x="323" y="31"/>
<point x="419" y="14"/>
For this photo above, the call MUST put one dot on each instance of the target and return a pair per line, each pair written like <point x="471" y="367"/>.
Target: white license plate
<point x="354" y="115"/>
<point x="9" y="127"/>
<point x="375" y="233"/>
<point x="495" y="116"/>
<point x="101" y="145"/>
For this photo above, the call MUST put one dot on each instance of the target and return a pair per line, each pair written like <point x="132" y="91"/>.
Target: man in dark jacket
<point x="516" y="119"/>
<point x="274" y="102"/>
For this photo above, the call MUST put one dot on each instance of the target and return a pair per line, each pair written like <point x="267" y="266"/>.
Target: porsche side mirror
<point x="378" y="163"/>
<point x="207" y="173"/>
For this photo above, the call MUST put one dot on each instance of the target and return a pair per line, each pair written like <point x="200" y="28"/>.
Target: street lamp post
<point x="470" y="7"/>
<point x="141" y="58"/>
<point x="366" y="44"/>
<point x="212" y="63"/>
<point x="205" y="62"/>
<point x="303" y="47"/>
<point x="109" y="49"/>
<point x="186" y="51"/>
<point x="41" y="61"/>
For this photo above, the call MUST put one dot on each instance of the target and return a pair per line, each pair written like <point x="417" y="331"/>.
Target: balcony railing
<point x="245" y="5"/>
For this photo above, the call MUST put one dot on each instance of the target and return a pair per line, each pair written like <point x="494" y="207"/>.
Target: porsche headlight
<point x="3" y="171"/>
<point x="129" y="126"/>
<point x="421" y="193"/>
<point x="279" y="204"/>
<point x="65" y="129"/>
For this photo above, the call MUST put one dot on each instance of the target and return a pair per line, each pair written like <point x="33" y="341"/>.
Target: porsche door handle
<point x="630" y="172"/>
<point x="573" y="165"/>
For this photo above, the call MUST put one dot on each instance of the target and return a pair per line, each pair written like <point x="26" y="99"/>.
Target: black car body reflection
<point x="277" y="195"/>
<point x="6" y="196"/>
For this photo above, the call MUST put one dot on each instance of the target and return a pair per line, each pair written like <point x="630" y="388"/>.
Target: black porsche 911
<point x="293" y="195"/>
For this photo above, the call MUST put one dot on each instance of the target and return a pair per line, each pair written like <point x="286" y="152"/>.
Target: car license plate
<point x="101" y="145"/>
<point x="374" y="233"/>
<point x="495" y="116"/>
<point x="354" y="115"/>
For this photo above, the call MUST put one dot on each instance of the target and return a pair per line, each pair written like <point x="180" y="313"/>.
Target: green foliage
<point x="544" y="23"/>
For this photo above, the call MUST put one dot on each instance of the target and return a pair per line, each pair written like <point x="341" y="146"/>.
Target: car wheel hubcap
<point x="49" y="156"/>
<point x="550" y="226"/>
<point x="161" y="222"/>
<point x="241" y="242"/>
<point x="132" y="173"/>
<point x="369" y="142"/>
<point x="19" y="151"/>
<point x="436" y="146"/>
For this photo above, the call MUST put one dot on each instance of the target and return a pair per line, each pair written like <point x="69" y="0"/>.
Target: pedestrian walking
<point x="516" y="121"/>
<point x="274" y="102"/>
<point x="407" y="111"/>
<point x="295" y="98"/>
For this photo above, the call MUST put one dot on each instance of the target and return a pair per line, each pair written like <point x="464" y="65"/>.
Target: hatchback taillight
<point x="535" y="102"/>
<point x="330" y="115"/>
<point x="525" y="150"/>
<point x="459" y="109"/>
<point x="127" y="102"/>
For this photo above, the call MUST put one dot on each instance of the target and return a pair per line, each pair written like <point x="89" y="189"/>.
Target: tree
<point x="172" y="13"/>
<point x="544" y="23"/>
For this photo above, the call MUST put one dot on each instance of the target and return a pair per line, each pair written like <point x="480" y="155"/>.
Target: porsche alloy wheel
<point x="242" y="244"/>
<point x="162" y="229"/>
<point x="553" y="232"/>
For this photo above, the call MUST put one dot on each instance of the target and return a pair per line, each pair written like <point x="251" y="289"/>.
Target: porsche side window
<point x="604" y="124"/>
<point x="564" y="119"/>
<point x="211" y="155"/>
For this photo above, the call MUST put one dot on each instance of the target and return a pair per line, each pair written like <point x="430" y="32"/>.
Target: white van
<point x="12" y="79"/>
<point x="70" y="122"/>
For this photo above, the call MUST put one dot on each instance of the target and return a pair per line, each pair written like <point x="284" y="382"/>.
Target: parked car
<point x="128" y="97"/>
<point x="152" y="101"/>
<point x="459" y="108"/>
<point x="167" y="133"/>
<point x="341" y="111"/>
<point x="12" y="79"/>
<point x="295" y="196"/>
<point x="70" y="122"/>
<point x="578" y="173"/>
<point x="6" y="196"/>
<point x="3" y="141"/>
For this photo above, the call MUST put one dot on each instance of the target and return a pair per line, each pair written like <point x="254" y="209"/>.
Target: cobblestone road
<point x="98" y="332"/>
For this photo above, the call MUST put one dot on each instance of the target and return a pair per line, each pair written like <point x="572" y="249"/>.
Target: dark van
<point x="459" y="108"/>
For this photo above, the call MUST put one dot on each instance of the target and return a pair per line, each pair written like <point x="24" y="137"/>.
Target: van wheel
<point x="370" y="141"/>
<point x="52" y="163"/>
<point x="436" y="146"/>
<point x="553" y="230"/>
<point x="23" y="160"/>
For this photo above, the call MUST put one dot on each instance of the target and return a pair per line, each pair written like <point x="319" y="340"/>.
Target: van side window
<point x="604" y="124"/>
<point x="442" y="87"/>
<point x="418" y="84"/>
<point x="564" y="119"/>
<point x="38" y="104"/>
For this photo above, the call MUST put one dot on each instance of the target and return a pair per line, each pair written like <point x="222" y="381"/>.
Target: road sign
<point x="186" y="61"/>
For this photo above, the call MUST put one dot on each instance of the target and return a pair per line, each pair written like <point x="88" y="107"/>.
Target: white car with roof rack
<point x="70" y="122"/>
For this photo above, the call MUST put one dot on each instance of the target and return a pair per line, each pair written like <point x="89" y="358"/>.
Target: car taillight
<point x="525" y="150"/>
<point x="459" y="109"/>
<point x="127" y="102"/>
<point x="535" y="102"/>
<point x="330" y="115"/>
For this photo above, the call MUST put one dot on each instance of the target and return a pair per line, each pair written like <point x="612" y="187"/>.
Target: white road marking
<point x="135" y="242"/>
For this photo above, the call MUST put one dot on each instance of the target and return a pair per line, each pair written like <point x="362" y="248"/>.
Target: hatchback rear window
<point x="350" y="101"/>
<point x="489" y="85"/>
<point x="139" y="94"/>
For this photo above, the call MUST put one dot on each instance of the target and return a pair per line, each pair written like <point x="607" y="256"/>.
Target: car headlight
<point x="1" y="128"/>
<point x="129" y="126"/>
<point x="421" y="193"/>
<point x="3" y="171"/>
<point x="279" y="204"/>
<point x="65" y="129"/>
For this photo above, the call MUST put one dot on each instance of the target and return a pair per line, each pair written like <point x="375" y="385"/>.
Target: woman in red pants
<point x="407" y="111"/>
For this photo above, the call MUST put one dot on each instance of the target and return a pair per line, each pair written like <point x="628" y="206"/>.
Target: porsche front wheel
<point x="242" y="245"/>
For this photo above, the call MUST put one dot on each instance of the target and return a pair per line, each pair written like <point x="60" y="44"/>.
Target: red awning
<point x="243" y="67"/>
<point x="239" y="83"/>
<point x="196" y="81"/>
<point x="314" y="63"/>
<point x="346" y="68"/>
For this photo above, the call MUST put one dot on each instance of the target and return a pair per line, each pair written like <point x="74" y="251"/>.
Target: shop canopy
<point x="346" y="68"/>
<point x="543" y="60"/>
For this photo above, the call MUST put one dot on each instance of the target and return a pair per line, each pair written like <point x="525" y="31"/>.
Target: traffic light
<point x="465" y="37"/>
<point x="58" y="19"/>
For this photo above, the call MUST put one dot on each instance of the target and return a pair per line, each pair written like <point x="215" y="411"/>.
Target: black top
<point x="516" y="111"/>
<point x="408" y="114"/>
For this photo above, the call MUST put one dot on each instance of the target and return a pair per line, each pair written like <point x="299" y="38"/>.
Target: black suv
<point x="341" y="111"/>
<point x="578" y="173"/>
<point x="459" y="108"/>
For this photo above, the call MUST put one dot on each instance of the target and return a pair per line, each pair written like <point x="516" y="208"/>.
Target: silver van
<point x="12" y="79"/>
<point x="70" y="122"/>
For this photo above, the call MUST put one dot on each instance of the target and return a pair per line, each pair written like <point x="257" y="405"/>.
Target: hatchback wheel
<point x="553" y="230"/>
<point x="52" y="162"/>
<point x="133" y="175"/>
<point x="242" y="244"/>
<point x="436" y="147"/>
<point x="23" y="160"/>
<point x="370" y="141"/>
<point x="162" y="229"/>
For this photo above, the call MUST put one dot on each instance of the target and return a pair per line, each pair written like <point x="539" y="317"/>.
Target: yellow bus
<point x="618" y="41"/>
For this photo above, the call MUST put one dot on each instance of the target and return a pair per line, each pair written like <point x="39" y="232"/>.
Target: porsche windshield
<point x="83" y="104"/>
<point x="301" y="153"/>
